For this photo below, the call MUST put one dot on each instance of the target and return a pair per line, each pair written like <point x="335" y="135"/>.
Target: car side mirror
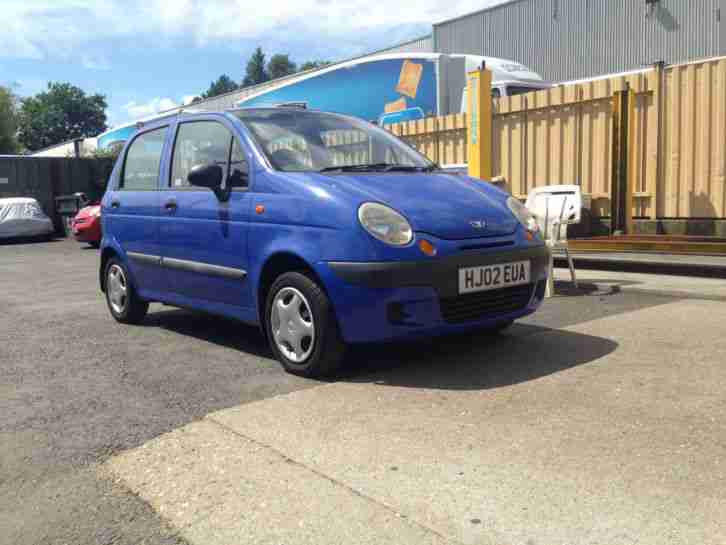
<point x="209" y="176"/>
<point x="238" y="178"/>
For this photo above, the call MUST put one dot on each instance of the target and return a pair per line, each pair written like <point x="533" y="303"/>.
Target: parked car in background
<point x="323" y="229"/>
<point x="86" y="225"/>
<point x="23" y="217"/>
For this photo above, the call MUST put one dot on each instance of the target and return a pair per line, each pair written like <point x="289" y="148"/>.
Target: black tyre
<point x="301" y="326"/>
<point x="123" y="302"/>
<point x="94" y="244"/>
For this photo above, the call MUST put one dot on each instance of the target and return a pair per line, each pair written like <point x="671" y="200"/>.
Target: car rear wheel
<point x="301" y="326"/>
<point x="123" y="302"/>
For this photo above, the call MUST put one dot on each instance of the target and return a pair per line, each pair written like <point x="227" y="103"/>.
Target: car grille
<point x="485" y="304"/>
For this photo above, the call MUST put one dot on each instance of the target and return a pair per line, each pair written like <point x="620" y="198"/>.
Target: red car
<point x="87" y="225"/>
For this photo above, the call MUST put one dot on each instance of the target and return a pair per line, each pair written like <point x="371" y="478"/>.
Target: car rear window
<point x="143" y="159"/>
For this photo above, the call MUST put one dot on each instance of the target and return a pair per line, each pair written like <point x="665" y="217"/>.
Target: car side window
<point x="203" y="143"/>
<point x="142" y="162"/>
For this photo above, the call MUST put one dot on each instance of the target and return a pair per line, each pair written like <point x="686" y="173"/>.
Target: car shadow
<point x="221" y="331"/>
<point x="476" y="361"/>
<point x="564" y="288"/>
<point x="473" y="361"/>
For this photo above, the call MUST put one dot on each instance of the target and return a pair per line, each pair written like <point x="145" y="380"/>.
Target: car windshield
<point x="301" y="140"/>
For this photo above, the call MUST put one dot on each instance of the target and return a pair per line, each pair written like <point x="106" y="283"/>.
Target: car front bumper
<point x="382" y="301"/>
<point x="88" y="230"/>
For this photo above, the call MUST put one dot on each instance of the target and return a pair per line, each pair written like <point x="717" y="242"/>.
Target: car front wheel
<point x="301" y="326"/>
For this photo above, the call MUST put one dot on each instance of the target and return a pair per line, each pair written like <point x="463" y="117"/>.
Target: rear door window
<point x="143" y="161"/>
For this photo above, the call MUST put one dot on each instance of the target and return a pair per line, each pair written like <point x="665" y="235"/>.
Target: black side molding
<point x="203" y="268"/>
<point x="189" y="266"/>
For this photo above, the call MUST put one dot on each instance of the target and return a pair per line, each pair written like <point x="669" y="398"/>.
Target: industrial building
<point x="572" y="39"/>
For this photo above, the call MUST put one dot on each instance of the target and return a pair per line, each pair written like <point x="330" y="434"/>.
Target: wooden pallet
<point x="671" y="244"/>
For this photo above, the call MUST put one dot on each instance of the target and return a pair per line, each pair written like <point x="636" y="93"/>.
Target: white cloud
<point x="137" y="110"/>
<point x="51" y="28"/>
<point x="133" y="110"/>
<point x="94" y="62"/>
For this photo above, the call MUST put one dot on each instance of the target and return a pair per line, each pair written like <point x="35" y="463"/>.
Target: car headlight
<point x="95" y="212"/>
<point x="523" y="214"/>
<point x="385" y="224"/>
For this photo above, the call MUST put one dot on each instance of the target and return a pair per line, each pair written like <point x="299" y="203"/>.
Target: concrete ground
<point x="597" y="420"/>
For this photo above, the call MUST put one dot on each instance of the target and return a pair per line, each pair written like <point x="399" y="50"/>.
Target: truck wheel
<point x="302" y="327"/>
<point x="123" y="302"/>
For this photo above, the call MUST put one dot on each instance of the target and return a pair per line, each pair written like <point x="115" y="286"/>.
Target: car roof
<point x="290" y="109"/>
<point x="186" y="115"/>
<point x="285" y="109"/>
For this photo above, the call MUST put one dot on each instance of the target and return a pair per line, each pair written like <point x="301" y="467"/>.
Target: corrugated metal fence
<point x="565" y="135"/>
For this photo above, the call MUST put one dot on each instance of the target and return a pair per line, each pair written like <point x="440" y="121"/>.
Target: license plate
<point x="491" y="277"/>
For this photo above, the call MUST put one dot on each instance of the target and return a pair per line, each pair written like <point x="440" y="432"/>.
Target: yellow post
<point x="623" y="162"/>
<point x="479" y="133"/>
<point x="632" y="156"/>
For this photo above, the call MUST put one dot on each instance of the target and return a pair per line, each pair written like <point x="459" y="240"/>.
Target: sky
<point x="147" y="56"/>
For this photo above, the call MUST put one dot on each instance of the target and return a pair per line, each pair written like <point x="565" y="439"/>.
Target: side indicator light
<point x="426" y="247"/>
<point x="260" y="208"/>
<point x="529" y="235"/>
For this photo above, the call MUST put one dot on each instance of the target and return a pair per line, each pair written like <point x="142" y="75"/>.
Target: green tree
<point x="256" y="71"/>
<point x="280" y="65"/>
<point x="8" y="122"/>
<point x="224" y="84"/>
<point x="61" y="113"/>
<point x="106" y="153"/>
<point x="309" y="65"/>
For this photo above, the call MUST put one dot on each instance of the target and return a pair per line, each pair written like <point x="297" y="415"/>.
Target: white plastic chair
<point x="556" y="207"/>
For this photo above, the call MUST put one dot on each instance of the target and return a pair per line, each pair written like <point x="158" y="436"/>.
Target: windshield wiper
<point x="377" y="167"/>
<point x="409" y="168"/>
<point x="363" y="167"/>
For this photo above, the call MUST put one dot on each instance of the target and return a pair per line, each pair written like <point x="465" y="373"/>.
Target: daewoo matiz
<point x="323" y="229"/>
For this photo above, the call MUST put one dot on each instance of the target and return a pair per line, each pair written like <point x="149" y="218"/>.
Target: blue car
<point x="322" y="229"/>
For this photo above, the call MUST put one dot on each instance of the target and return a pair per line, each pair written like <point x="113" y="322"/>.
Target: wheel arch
<point x="107" y="253"/>
<point x="275" y="265"/>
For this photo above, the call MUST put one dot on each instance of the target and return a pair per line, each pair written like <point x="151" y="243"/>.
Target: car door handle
<point x="170" y="205"/>
<point x="115" y="204"/>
